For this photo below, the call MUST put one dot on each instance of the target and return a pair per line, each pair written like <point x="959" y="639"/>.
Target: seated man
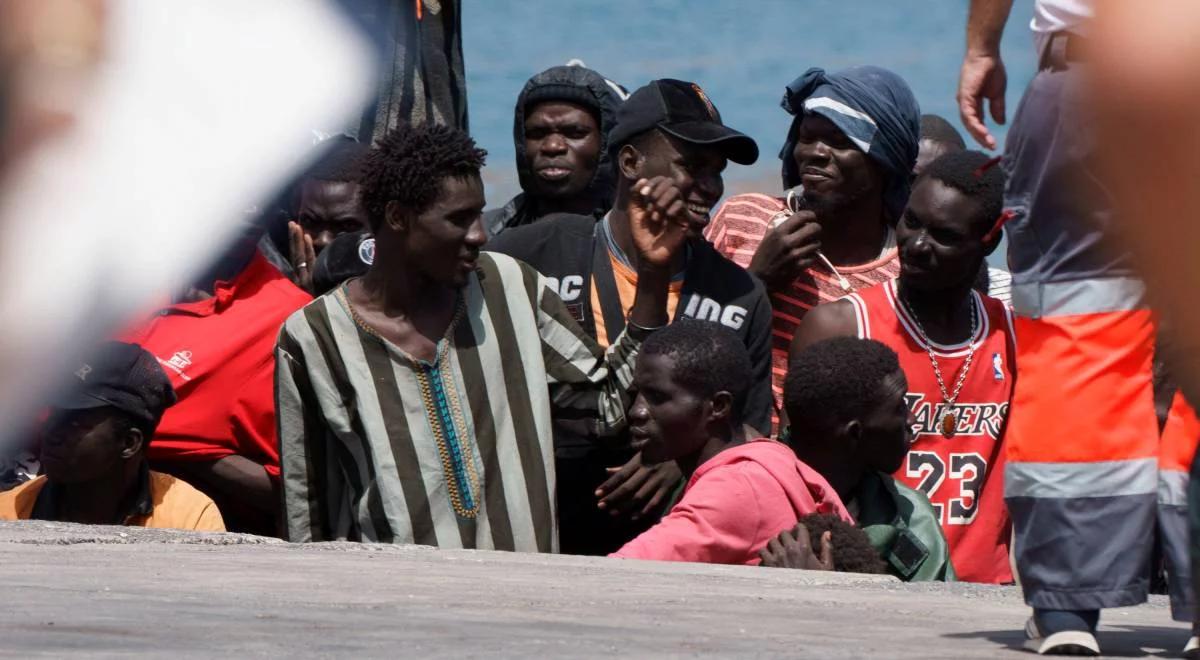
<point x="956" y="349"/>
<point x="692" y="379"/>
<point x="93" y="452"/>
<point x="217" y="350"/>
<point x="845" y="400"/>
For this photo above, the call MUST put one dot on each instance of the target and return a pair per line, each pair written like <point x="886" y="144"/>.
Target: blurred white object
<point x="198" y="111"/>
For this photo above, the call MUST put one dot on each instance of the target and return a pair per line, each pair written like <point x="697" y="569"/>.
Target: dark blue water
<point x="742" y="53"/>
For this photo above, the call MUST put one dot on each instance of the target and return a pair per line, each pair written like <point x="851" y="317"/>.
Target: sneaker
<point x="1067" y="642"/>
<point x="1192" y="650"/>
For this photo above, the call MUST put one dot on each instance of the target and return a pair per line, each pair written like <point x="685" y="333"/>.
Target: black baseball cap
<point x="123" y="376"/>
<point x="680" y="109"/>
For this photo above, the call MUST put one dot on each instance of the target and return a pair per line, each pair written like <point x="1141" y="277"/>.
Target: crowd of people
<point x="617" y="362"/>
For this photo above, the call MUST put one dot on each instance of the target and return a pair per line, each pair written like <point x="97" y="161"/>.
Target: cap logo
<point x="83" y="372"/>
<point x="366" y="251"/>
<point x="712" y="112"/>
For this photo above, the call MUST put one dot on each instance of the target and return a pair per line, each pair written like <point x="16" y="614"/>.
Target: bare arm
<point x="983" y="76"/>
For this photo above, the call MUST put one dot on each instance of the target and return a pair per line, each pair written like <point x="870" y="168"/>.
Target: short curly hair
<point x="834" y="381"/>
<point x="852" y="550"/>
<point x="709" y="358"/>
<point x="408" y="166"/>
<point x="976" y="175"/>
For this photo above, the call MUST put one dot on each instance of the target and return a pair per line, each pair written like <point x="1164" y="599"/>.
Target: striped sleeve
<point x="739" y="225"/>
<point x="307" y="478"/>
<point x="589" y="387"/>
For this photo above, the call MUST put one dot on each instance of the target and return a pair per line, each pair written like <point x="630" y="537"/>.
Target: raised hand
<point x="302" y="255"/>
<point x="657" y="220"/>
<point x="787" y="249"/>
<point x="792" y="549"/>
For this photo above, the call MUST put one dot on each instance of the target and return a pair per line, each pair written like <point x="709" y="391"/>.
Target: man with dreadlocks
<point x="415" y="403"/>
<point x="956" y="349"/>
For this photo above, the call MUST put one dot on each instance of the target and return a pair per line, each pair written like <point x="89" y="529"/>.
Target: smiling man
<point x="847" y="161"/>
<point x="415" y="403"/>
<point x="956" y="348"/>
<point x="670" y="129"/>
<point x="692" y="381"/>
<point x="560" y="130"/>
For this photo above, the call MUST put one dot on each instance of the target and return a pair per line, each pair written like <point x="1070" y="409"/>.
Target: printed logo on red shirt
<point x="178" y="362"/>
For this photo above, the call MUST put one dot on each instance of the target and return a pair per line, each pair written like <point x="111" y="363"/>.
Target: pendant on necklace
<point x="949" y="424"/>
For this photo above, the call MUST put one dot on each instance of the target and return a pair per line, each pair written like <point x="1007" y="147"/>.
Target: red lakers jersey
<point x="963" y="475"/>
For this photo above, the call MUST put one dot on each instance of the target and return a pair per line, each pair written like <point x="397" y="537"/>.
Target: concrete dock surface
<point x="81" y="591"/>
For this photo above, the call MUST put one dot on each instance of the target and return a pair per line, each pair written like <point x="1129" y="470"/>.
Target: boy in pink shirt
<point x="691" y="379"/>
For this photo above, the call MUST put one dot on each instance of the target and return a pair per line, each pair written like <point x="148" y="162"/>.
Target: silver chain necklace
<point x="948" y="424"/>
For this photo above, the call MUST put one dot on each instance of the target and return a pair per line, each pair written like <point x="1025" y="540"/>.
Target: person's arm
<point x="716" y="522"/>
<point x="589" y="394"/>
<point x="982" y="76"/>
<point x="308" y="480"/>
<point x="832" y="319"/>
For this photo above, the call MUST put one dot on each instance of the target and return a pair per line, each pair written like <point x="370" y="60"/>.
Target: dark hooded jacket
<point x="576" y="84"/>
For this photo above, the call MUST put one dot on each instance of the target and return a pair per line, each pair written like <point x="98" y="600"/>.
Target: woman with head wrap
<point x="846" y="165"/>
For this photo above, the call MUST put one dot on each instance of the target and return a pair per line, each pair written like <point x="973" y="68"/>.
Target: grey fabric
<point x="1071" y="556"/>
<point x="1173" y="529"/>
<point x="1061" y="212"/>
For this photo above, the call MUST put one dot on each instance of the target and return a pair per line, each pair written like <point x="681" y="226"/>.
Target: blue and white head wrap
<point x="874" y="108"/>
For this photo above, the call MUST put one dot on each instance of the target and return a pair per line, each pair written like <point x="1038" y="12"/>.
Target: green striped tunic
<point x="378" y="446"/>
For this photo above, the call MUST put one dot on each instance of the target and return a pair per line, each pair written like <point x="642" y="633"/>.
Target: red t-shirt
<point x="220" y="356"/>
<point x="963" y="475"/>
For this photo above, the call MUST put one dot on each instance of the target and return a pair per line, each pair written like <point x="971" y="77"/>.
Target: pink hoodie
<point x="734" y="504"/>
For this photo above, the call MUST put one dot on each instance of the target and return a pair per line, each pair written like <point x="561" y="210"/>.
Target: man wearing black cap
<point x="560" y="130"/>
<point x="93" y="453"/>
<point x="671" y="129"/>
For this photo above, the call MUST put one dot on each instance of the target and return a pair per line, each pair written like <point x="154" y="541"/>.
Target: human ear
<point x="629" y="161"/>
<point x="395" y="218"/>
<point x="132" y="443"/>
<point x="852" y="432"/>
<point x="720" y="407"/>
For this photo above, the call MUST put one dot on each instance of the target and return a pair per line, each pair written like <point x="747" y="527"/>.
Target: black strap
<point x="606" y="285"/>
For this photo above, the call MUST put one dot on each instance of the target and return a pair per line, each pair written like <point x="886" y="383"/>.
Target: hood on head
<point x="875" y="108"/>
<point x="577" y="84"/>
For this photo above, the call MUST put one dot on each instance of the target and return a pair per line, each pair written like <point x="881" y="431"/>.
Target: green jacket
<point x="903" y="527"/>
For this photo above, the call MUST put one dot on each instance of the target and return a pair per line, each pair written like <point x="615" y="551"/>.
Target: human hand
<point x="792" y="549"/>
<point x="636" y="489"/>
<point x="657" y="220"/>
<point x="302" y="255"/>
<point x="787" y="249"/>
<point x="982" y="77"/>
